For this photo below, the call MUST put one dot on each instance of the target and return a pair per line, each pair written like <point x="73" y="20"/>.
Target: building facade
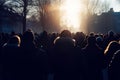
<point x="105" y="22"/>
<point x="10" y="21"/>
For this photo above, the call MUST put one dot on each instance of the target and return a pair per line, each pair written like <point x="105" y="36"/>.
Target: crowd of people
<point x="59" y="56"/>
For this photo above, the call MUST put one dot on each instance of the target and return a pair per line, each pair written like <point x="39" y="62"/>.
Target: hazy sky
<point x="114" y="4"/>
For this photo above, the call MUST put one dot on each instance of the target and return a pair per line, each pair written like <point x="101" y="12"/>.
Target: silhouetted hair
<point x="111" y="33"/>
<point x="91" y="40"/>
<point x="65" y="39"/>
<point x="92" y="34"/>
<point x="14" y="40"/>
<point x="28" y="36"/>
<point x="65" y="33"/>
<point x="99" y="39"/>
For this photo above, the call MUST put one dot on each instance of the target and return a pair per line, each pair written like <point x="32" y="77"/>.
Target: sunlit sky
<point x="71" y="15"/>
<point x="71" y="10"/>
<point x="114" y="4"/>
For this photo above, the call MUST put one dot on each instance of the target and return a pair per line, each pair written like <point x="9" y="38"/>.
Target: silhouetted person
<point x="80" y="39"/>
<point x="33" y="60"/>
<point x="114" y="67"/>
<point x="65" y="60"/>
<point x="44" y="41"/>
<point x="1" y="44"/>
<point x="99" y="41"/>
<point x="92" y="59"/>
<point x="110" y="37"/>
<point x="112" y="47"/>
<point x="10" y="54"/>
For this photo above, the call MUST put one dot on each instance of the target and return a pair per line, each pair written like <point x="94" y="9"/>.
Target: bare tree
<point x="90" y="6"/>
<point x="94" y="7"/>
<point x="105" y="6"/>
<point x="25" y="5"/>
<point x="43" y="11"/>
<point x="21" y="7"/>
<point x="2" y="2"/>
<point x="48" y="14"/>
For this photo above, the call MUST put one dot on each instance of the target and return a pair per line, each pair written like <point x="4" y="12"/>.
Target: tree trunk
<point x="24" y="24"/>
<point x="24" y="14"/>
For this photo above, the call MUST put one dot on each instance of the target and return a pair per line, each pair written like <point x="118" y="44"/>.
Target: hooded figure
<point x="65" y="60"/>
<point x="10" y="54"/>
<point x="33" y="60"/>
<point x="93" y="60"/>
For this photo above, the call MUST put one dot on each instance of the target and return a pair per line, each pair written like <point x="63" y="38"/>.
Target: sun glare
<point x="70" y="15"/>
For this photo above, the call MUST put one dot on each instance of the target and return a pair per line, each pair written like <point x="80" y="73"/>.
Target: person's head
<point x="91" y="40"/>
<point x="44" y="33"/>
<point x="99" y="39"/>
<point x="14" y="40"/>
<point x="65" y="33"/>
<point x="65" y="39"/>
<point x="28" y="36"/>
<point x="112" y="46"/>
<point x="111" y="33"/>
<point x="92" y="34"/>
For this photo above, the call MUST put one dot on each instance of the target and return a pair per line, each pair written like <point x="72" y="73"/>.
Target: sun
<point x="70" y="15"/>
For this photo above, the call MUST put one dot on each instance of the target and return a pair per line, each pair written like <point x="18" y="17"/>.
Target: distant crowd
<point x="59" y="56"/>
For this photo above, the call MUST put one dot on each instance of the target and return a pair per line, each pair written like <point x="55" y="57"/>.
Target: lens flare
<point x="70" y="15"/>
